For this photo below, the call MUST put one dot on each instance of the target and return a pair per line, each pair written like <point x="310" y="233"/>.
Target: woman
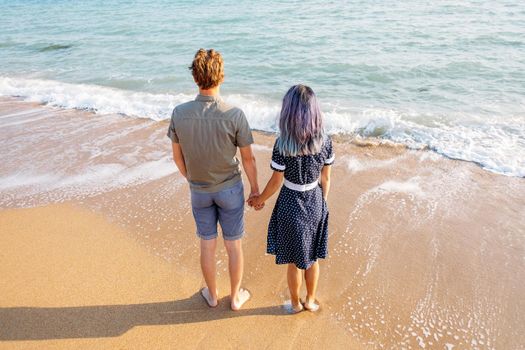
<point x="298" y="228"/>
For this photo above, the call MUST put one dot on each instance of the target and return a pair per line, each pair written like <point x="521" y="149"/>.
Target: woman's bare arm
<point x="271" y="187"/>
<point x="325" y="180"/>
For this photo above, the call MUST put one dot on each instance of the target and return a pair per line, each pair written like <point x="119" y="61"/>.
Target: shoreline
<point x="455" y="136"/>
<point x="422" y="249"/>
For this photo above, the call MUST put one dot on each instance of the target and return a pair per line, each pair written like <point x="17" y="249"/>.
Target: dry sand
<point x="97" y="247"/>
<point x="73" y="280"/>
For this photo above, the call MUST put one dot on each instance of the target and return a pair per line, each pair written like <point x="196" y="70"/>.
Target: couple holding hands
<point x="205" y="135"/>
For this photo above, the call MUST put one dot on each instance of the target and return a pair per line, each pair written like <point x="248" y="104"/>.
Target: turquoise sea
<point x="447" y="75"/>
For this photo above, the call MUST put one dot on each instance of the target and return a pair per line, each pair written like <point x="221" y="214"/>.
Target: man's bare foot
<point x="242" y="296"/>
<point x="205" y="292"/>
<point x="311" y="305"/>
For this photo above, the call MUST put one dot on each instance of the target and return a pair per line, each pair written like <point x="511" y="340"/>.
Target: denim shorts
<point x="225" y="206"/>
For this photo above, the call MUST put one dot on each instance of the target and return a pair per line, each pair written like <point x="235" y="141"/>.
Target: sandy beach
<point x="97" y="247"/>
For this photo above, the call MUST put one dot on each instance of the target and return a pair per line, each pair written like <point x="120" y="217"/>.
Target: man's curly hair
<point x="207" y="68"/>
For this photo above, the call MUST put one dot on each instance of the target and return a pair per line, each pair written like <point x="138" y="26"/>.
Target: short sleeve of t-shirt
<point x="172" y="133"/>
<point x="329" y="151"/>
<point x="243" y="135"/>
<point x="277" y="162"/>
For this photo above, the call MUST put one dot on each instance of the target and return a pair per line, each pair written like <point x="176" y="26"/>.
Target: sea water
<point x="447" y="75"/>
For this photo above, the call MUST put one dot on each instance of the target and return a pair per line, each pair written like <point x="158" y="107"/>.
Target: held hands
<point x="254" y="201"/>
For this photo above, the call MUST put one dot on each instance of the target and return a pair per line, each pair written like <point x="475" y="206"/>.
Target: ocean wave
<point x="497" y="144"/>
<point x="99" y="99"/>
<point x="55" y="47"/>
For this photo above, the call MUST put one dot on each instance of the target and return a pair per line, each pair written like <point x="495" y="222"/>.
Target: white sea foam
<point x="18" y="180"/>
<point x="148" y="171"/>
<point x="100" y="99"/>
<point x="23" y="121"/>
<point x="91" y="180"/>
<point x="497" y="144"/>
<point x="354" y="165"/>
<point x="262" y="148"/>
<point x="24" y="113"/>
<point x="411" y="186"/>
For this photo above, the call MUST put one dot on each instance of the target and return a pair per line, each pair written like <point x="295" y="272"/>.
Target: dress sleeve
<point x="329" y="151"/>
<point x="277" y="163"/>
<point x="172" y="133"/>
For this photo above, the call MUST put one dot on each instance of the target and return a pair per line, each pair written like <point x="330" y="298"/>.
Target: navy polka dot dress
<point x="298" y="228"/>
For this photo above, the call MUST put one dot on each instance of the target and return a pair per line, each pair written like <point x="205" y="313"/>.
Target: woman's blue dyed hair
<point x="300" y="123"/>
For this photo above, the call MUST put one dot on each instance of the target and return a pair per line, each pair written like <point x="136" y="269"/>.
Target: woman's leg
<point x="311" y="276"/>
<point x="294" y="284"/>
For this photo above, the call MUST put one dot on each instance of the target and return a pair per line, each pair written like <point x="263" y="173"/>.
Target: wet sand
<point x="98" y="247"/>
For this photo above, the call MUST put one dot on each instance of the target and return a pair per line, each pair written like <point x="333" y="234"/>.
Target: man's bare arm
<point x="248" y="163"/>
<point x="178" y="157"/>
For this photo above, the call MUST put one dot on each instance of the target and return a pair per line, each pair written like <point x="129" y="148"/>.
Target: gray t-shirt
<point x="209" y="132"/>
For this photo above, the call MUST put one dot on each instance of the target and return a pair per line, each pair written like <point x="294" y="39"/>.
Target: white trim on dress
<point x="330" y="160"/>
<point x="278" y="166"/>
<point x="301" y="188"/>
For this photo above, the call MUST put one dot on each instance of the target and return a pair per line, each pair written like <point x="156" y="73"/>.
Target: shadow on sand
<point x="35" y="323"/>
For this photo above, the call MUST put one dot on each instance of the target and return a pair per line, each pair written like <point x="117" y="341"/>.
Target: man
<point x="205" y="134"/>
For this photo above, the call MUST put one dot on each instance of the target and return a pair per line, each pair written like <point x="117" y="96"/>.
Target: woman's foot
<point x="212" y="302"/>
<point x="311" y="305"/>
<point x="242" y="296"/>
<point x="296" y="308"/>
<point x="292" y="308"/>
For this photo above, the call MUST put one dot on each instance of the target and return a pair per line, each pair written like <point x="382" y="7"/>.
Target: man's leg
<point x="209" y="268"/>
<point x="236" y="266"/>
<point x="230" y="206"/>
<point x="205" y="214"/>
